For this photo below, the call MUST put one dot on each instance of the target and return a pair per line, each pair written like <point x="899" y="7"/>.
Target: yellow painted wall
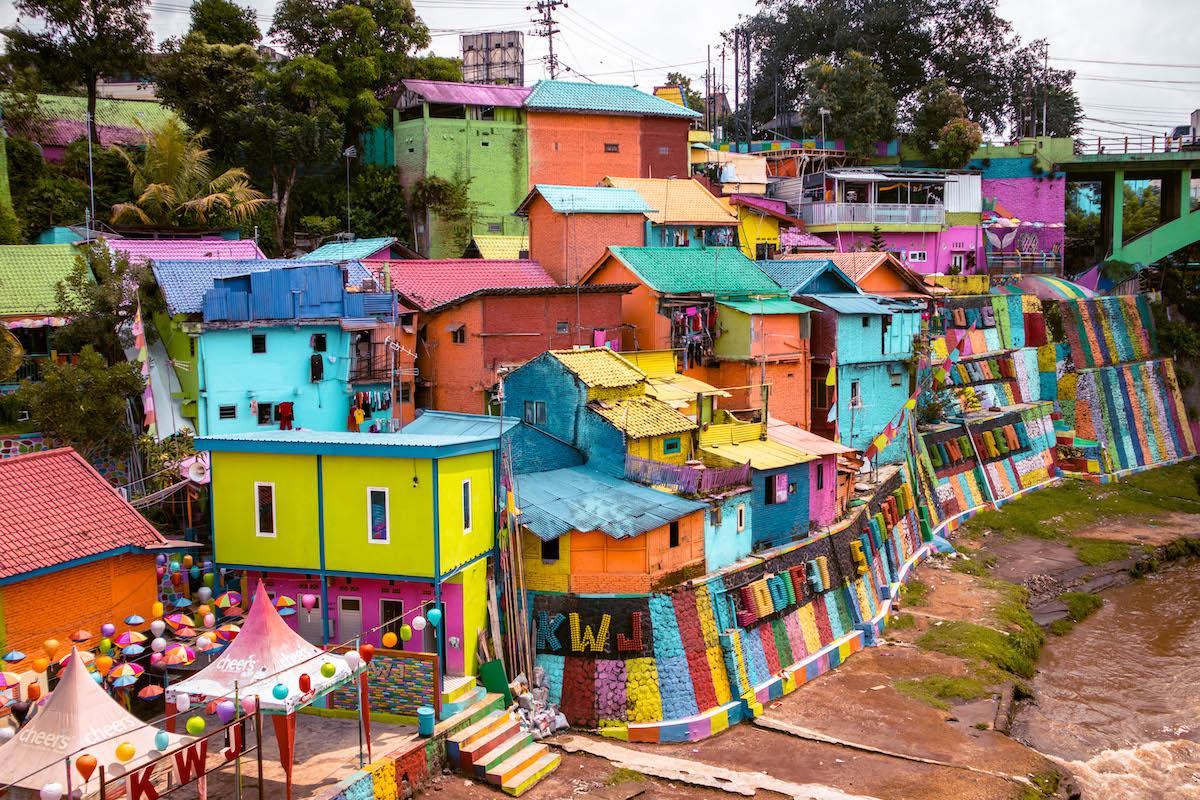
<point x="546" y="576"/>
<point x="348" y="547"/>
<point x="295" y="543"/>
<point x="652" y="447"/>
<point x="459" y="547"/>
<point x="474" y="582"/>
<point x="755" y="229"/>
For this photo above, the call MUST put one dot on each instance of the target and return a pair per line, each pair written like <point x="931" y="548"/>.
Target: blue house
<point x="868" y="341"/>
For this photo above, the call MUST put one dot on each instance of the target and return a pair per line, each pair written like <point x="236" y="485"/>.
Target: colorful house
<point x="693" y="397"/>
<point x="378" y="249"/>
<point x="481" y="319"/>
<point x="118" y="122"/>
<point x="581" y="132"/>
<point x="462" y="132"/>
<point x="684" y="213"/>
<point x="29" y="274"/>
<point x="570" y="226"/>
<point x="867" y="340"/>
<point x="760" y="224"/>
<point x="73" y="554"/>
<point x="828" y="494"/>
<point x="494" y="247"/>
<point x="880" y="274"/>
<point x="311" y="513"/>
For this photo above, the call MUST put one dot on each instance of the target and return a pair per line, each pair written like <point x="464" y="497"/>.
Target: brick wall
<point x="398" y="683"/>
<point x="664" y="145"/>
<point x="569" y="149"/>
<point x="569" y="245"/>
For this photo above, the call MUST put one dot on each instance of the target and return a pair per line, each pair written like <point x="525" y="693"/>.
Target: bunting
<point x="149" y="420"/>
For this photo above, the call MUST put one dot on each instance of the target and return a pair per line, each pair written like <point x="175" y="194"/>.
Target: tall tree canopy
<point x="224" y="22"/>
<point x="855" y="93"/>
<point x="81" y="41"/>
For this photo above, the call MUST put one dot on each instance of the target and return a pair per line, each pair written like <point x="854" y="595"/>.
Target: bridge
<point x="1111" y="162"/>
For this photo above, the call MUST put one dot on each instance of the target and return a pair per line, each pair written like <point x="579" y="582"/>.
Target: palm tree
<point x="173" y="180"/>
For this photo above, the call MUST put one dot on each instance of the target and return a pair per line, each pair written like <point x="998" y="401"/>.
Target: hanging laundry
<point x="285" y="412"/>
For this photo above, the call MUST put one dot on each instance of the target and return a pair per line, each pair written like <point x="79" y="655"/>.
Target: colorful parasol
<point x="80" y="636"/>
<point x="14" y="655"/>
<point x="286" y="605"/>
<point x="134" y="619"/>
<point x="185" y="632"/>
<point x="182" y="602"/>
<point x="125" y="674"/>
<point x="132" y="650"/>
<point x="177" y="621"/>
<point x="129" y="637"/>
<point x="228" y="600"/>
<point x="150" y="692"/>
<point x="9" y="680"/>
<point x="228" y="632"/>
<point x="178" y="655"/>
<point x="87" y="656"/>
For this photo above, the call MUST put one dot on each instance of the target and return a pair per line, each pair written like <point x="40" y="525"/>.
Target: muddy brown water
<point x="1118" y="698"/>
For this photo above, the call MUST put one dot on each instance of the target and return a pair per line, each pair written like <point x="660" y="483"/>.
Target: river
<point x="1119" y="696"/>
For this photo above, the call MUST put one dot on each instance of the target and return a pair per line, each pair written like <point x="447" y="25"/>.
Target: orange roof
<point x="679" y="202"/>
<point x="859" y="266"/>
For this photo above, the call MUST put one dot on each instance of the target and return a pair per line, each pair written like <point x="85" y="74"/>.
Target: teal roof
<point x="357" y="250"/>
<point x="796" y="274"/>
<point x="589" y="199"/>
<point x="346" y="443"/>
<point x="767" y="305"/>
<point x="718" y="271"/>
<point x="452" y="423"/>
<point x="29" y="274"/>
<point x="601" y="98"/>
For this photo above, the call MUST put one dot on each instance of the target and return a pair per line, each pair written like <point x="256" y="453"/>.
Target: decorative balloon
<point x="367" y="651"/>
<point x="156" y="610"/>
<point x="328" y="670"/>
<point x="204" y="593"/>
<point x="305" y="683"/>
<point x="188" y="561"/>
<point x="40" y="665"/>
<point x="20" y="710"/>
<point x="51" y="791"/>
<point x="389" y="639"/>
<point x="405" y="632"/>
<point x="160" y="572"/>
<point x="176" y="579"/>
<point x="156" y="659"/>
<point x="106" y="645"/>
<point x="208" y="579"/>
<point x="309" y="601"/>
<point x="174" y="566"/>
<point x="33" y="691"/>
<point x="160" y="559"/>
<point x="50" y="646"/>
<point x="352" y="660"/>
<point x="434" y="616"/>
<point x="248" y="704"/>
<point x="418" y="623"/>
<point x="195" y="725"/>
<point x="161" y="741"/>
<point x="108" y="629"/>
<point x="6" y="733"/>
<point x="209" y="621"/>
<point x="85" y="765"/>
<point x="125" y="751"/>
<point x="157" y="627"/>
<point x="103" y="664"/>
<point x="280" y="691"/>
<point x="158" y="644"/>
<point x="183" y="701"/>
<point x="226" y="711"/>
<point x="194" y="572"/>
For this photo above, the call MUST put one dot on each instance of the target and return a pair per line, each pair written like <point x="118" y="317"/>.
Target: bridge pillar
<point x="1112" y="209"/>
<point x="1185" y="191"/>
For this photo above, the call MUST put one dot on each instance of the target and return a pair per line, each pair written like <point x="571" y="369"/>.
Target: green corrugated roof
<point x="720" y="271"/>
<point x="767" y="305"/>
<point x="29" y="274"/>
<point x="602" y="98"/>
<point x="592" y="199"/>
<point x="119" y="113"/>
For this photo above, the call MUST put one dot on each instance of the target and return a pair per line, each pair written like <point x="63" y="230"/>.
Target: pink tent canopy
<point x="77" y="718"/>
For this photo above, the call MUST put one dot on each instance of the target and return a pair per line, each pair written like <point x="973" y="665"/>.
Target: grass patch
<point x="1098" y="551"/>
<point x="1045" y="785"/>
<point x="915" y="593"/>
<point x="1080" y="606"/>
<point x="622" y="774"/>
<point x="979" y="564"/>
<point x="900" y="622"/>
<point x="997" y="655"/>
<point x="939" y="690"/>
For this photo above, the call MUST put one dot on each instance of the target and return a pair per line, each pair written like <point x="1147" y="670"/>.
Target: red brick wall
<point x="568" y="149"/>
<point x="567" y="246"/>
<point x="452" y="369"/>
<point x="790" y="390"/>
<point x="659" y="134"/>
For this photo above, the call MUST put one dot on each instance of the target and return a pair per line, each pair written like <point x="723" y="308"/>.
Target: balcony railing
<point x="370" y="363"/>
<point x="872" y="213"/>
<point x="684" y="478"/>
<point x="1024" y="263"/>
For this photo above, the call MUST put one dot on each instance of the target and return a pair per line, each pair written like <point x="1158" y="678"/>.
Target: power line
<point x="1126" y="63"/>
<point x="546" y="29"/>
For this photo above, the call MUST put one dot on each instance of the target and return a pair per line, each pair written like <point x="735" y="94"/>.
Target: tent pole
<point x="357" y="645"/>
<point x="237" y="765"/>
<point x="258" y="744"/>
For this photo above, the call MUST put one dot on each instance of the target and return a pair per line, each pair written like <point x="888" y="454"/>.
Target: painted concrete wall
<point x="881" y="403"/>
<point x="1034" y="199"/>
<point x="460" y="542"/>
<point x="648" y="330"/>
<point x="568" y="245"/>
<point x="724" y="541"/>
<point x="546" y="380"/>
<point x="755" y="228"/>
<point x="790" y="397"/>
<point x="569" y="149"/>
<point x="775" y="523"/>
<point x="235" y="541"/>
<point x="663" y="142"/>
<point x="861" y="337"/>
<point x="546" y="575"/>
<point x="822" y="491"/>
<point x="602" y="564"/>
<point x="939" y="247"/>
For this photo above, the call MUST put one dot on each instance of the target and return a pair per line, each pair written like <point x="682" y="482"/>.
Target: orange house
<point x="73" y="554"/>
<point x="880" y="273"/>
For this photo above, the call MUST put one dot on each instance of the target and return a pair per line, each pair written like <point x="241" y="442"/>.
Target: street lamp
<point x="350" y="152"/>
<point x="824" y="112"/>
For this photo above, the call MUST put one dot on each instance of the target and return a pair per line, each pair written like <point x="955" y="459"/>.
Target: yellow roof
<point x="663" y="382"/>
<point x="739" y="443"/>
<point x="600" y="367"/>
<point x="640" y="417"/>
<point x="678" y="201"/>
<point x="502" y="248"/>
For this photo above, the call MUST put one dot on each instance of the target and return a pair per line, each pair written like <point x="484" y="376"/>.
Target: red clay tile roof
<point x="432" y="283"/>
<point x="54" y="508"/>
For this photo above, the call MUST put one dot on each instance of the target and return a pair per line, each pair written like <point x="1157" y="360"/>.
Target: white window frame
<point x="387" y="514"/>
<point x="468" y="510"/>
<point x="741" y="517"/>
<point x="958" y="260"/>
<point x="856" y="398"/>
<point x="913" y="256"/>
<point x="274" y="516"/>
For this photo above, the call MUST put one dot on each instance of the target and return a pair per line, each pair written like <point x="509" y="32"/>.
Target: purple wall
<point x="1032" y="200"/>
<point x="939" y="247"/>
<point x="822" y="503"/>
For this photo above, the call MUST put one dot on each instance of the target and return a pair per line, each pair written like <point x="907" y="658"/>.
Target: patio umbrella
<point x="87" y="656"/>
<point x="185" y="632"/>
<point x="286" y="605"/>
<point x="125" y="674"/>
<point x="133" y="650"/>
<point x="9" y="680"/>
<point x="134" y="619"/>
<point x="178" y="655"/>
<point x="81" y="635"/>
<point x="14" y="655"/>
<point x="150" y="692"/>
<point x="228" y="632"/>
<point x="129" y="637"/>
<point x="228" y="600"/>
<point x="182" y="602"/>
<point x="177" y="621"/>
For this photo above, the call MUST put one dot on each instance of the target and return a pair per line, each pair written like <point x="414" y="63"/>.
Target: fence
<point x="1114" y="145"/>
<point x="1024" y="263"/>
<point x="876" y="213"/>
<point x="684" y="478"/>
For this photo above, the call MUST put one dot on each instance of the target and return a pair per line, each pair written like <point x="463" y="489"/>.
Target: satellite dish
<point x="14" y="351"/>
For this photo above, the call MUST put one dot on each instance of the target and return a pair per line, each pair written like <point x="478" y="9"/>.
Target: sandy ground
<point x="1155" y="534"/>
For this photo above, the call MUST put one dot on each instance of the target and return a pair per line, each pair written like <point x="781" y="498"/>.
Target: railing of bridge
<point x="1119" y="145"/>
<point x="1024" y="264"/>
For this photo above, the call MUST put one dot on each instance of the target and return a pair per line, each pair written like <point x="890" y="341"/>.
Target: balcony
<point x="1024" y="264"/>
<point x="872" y="214"/>
<point x="685" y="478"/>
<point x="371" y="363"/>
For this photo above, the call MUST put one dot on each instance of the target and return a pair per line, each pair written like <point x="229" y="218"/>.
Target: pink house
<point x="185" y="249"/>
<point x="824" y="504"/>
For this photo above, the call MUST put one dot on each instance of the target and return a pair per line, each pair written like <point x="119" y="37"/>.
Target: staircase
<point x="495" y="750"/>
<point x="459" y="693"/>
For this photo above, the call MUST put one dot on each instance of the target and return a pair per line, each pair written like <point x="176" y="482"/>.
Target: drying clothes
<point x="351" y="420"/>
<point x="284" y="412"/>
<point x="359" y="416"/>
<point x="960" y="317"/>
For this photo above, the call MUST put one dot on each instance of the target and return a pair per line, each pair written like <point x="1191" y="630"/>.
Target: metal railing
<point x="370" y="363"/>
<point x="684" y="478"/>
<point x="872" y="213"/>
<point x="1024" y="263"/>
<point x="1117" y="145"/>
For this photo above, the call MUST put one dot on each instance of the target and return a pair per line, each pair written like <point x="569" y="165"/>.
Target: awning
<point x="853" y="304"/>
<point x="768" y="305"/>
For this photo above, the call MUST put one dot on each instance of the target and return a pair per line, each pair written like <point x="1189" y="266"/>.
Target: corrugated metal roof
<point x="582" y="499"/>
<point x="358" y="250"/>
<point x="230" y="442"/>
<point x="642" y="417"/>
<point x="502" y="248"/>
<point x="312" y="291"/>
<point x="601" y="98"/>
<point x="803" y="240"/>
<point x="678" y="201"/>
<point x="852" y="304"/>
<point x="185" y="249"/>
<point x="758" y="454"/>
<point x="184" y="283"/>
<point x="469" y="94"/>
<point x="859" y="265"/>
<point x="794" y="274"/>
<point x="600" y="367"/>
<point x="29" y="274"/>
<point x="720" y="271"/>
<point x="679" y="391"/>
<point x="433" y="283"/>
<point x="767" y="305"/>
<point x="589" y="199"/>
<point x="802" y="440"/>
<point x="457" y="424"/>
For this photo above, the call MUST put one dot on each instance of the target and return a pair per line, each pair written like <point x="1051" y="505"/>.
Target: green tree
<point x="449" y="201"/>
<point x="81" y="41"/>
<point x="224" y="22"/>
<point x="1033" y="88"/>
<point x="84" y="404"/>
<point x="1141" y="210"/>
<point x="956" y="143"/>
<point x="111" y="181"/>
<point x="852" y="88"/>
<point x="378" y="205"/>
<point x="877" y="244"/>
<point x="690" y="96"/>
<point x="936" y="103"/>
<point x="42" y="195"/>
<point x="436" y="68"/>
<point x="23" y="112"/>
<point x="174" y="183"/>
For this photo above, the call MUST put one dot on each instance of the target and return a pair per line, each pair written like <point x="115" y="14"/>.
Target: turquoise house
<point x="866" y="339"/>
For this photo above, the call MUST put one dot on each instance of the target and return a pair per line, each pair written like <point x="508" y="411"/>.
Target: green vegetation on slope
<point x="939" y="690"/>
<point x="997" y="655"/>
<point x="1080" y="606"/>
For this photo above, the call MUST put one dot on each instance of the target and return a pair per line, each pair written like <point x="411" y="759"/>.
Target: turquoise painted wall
<point x="723" y="542"/>
<point x="875" y="358"/>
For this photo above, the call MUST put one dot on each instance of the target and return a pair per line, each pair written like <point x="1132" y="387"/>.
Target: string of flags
<point x="143" y="357"/>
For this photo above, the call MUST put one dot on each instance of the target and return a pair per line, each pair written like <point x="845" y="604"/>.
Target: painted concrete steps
<point x="478" y="749"/>
<point x="531" y="775"/>
<point x="455" y="688"/>
<point x="455" y="741"/>
<point x="514" y="765"/>
<point x="502" y="752"/>
<point x="465" y="701"/>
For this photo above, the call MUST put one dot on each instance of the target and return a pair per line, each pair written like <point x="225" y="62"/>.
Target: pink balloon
<point x="308" y="601"/>
<point x="155" y="658"/>
<point x="248" y="703"/>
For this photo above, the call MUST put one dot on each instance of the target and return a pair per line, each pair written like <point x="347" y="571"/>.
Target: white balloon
<point x="158" y="644"/>
<point x="353" y="660"/>
<point x="418" y="623"/>
<point x="205" y="593"/>
<point x="51" y="791"/>
<point x="183" y="702"/>
<point x="157" y="627"/>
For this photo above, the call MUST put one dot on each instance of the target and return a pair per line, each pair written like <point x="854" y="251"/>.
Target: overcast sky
<point x="639" y="41"/>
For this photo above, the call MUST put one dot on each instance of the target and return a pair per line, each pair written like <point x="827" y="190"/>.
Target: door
<point x="429" y="636"/>
<point x="309" y="624"/>
<point x="349" y="618"/>
<point x="391" y="617"/>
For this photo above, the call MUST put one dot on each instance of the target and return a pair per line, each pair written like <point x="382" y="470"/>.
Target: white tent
<point x="77" y="718"/>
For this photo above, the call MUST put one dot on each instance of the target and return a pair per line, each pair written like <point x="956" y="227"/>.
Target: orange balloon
<point x="33" y="691"/>
<point x="50" y="646"/>
<point x="41" y="664"/>
<point x="86" y="764"/>
<point x="203" y="611"/>
<point x="187" y="561"/>
<point x="156" y="610"/>
<point x="103" y="664"/>
<point x="125" y="751"/>
<point x="389" y="639"/>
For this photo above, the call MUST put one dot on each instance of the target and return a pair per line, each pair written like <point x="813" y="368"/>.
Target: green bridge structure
<point x="1112" y="162"/>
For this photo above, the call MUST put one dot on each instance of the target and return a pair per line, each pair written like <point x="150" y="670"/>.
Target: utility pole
<point x="724" y="90"/>
<point x="1046" y="90"/>
<point x="545" y="28"/>
<point x="737" y="97"/>
<point x="708" y="102"/>
<point x="749" y="94"/>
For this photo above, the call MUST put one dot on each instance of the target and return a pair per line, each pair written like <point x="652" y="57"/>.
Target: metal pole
<point x="258" y="743"/>
<point x="1046" y="91"/>
<point x="91" y="180"/>
<point x="347" y="191"/>
<point x="358" y="687"/>
<point x="237" y="765"/>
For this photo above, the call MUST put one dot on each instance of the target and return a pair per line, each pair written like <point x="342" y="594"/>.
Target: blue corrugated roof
<point x="458" y="424"/>
<point x="304" y="442"/>
<point x="583" y="499"/>
<point x="603" y="98"/>
<point x="184" y="283"/>
<point x="312" y="291"/>
<point x="590" y="199"/>
<point x="349" y="251"/>
<point x="853" y="304"/>
<point x="795" y="274"/>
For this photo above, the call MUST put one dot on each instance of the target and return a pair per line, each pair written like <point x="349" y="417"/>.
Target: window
<point x="856" y="400"/>
<point x="895" y="378"/>
<point x="192" y="346"/>
<point x="776" y="489"/>
<point x="550" y="550"/>
<point x="820" y="393"/>
<point x="741" y="517"/>
<point x="612" y="148"/>
<point x="562" y="327"/>
<point x="406" y="393"/>
<point x="820" y="477"/>
<point x="466" y="505"/>
<point x="227" y="412"/>
<point x="664" y="151"/>
<point x="535" y="412"/>
<point x="958" y="261"/>
<point x="866" y="320"/>
<point x="318" y="342"/>
<point x="264" y="413"/>
<point x="917" y="256"/>
<point x="258" y="343"/>
<point x="379" y="521"/>
<point x="458" y="333"/>
<point x="264" y="509"/>
<point x="485" y="143"/>
<point x="672" y="445"/>
<point x="495" y="227"/>
<point x="674" y="542"/>
<point x="391" y="616"/>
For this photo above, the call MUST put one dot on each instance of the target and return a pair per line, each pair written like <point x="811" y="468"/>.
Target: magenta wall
<point x="1033" y="199"/>
<point x="939" y="247"/>
<point x="822" y="503"/>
